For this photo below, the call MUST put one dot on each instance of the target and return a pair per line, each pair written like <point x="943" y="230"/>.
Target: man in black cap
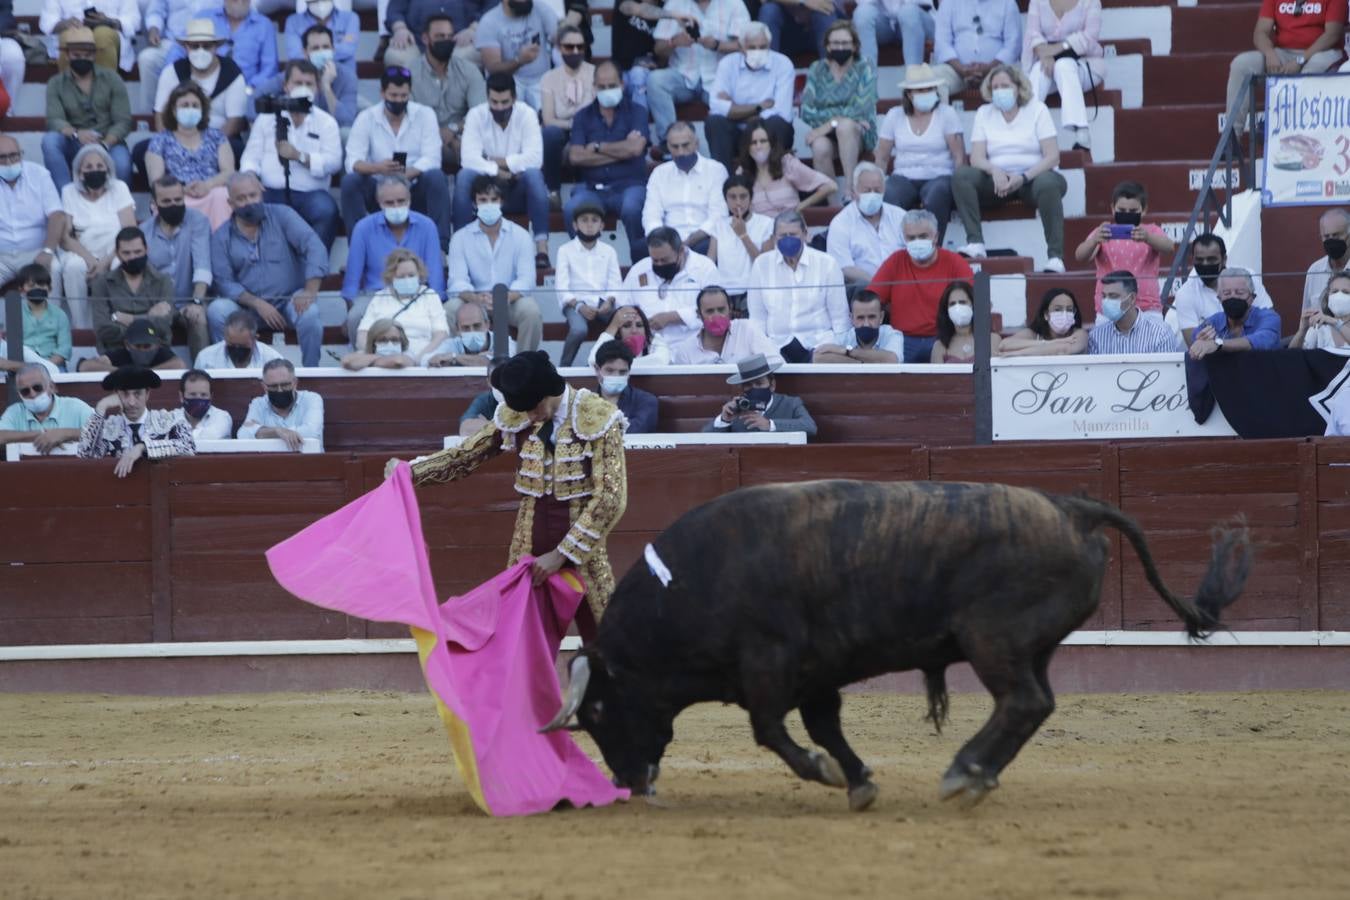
<point x="759" y="407"/>
<point x="122" y="425"/>
<point x="571" y="474"/>
<point x="143" y="345"/>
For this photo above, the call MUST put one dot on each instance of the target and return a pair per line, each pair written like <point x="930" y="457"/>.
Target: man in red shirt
<point x="911" y="281"/>
<point x="1292" y="36"/>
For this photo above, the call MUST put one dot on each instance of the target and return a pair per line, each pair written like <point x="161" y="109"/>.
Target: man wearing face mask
<point x="252" y="41"/>
<point x="1240" y="326"/>
<point x="686" y="192"/>
<point x="516" y="39"/>
<point x="721" y="339"/>
<point x="666" y="284"/>
<point x="797" y="293"/>
<point x="1334" y="229"/>
<point x="869" y="341"/>
<point x="608" y="150"/>
<point x="163" y="20"/>
<point x="1122" y="328"/>
<point x="132" y="290"/>
<point x="613" y="363"/>
<point x="692" y="53"/>
<point x="178" y="243"/>
<point x="208" y="423"/>
<point x="86" y="104"/>
<point x="125" y="428"/>
<point x="862" y="234"/>
<point x="407" y="22"/>
<point x="222" y="78"/>
<point x="284" y="411"/>
<point x="471" y="343"/>
<point x="240" y="348"/>
<point x="42" y="417"/>
<point x="911" y="282"/>
<point x="343" y="24"/>
<point x="298" y="170"/>
<point x="142" y="345"/>
<point x="450" y="85"/>
<point x="1197" y="299"/>
<point x="31" y="207"/>
<point x="759" y="407"/>
<point x="756" y="83"/>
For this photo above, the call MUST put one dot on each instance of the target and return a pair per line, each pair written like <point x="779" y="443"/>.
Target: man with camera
<point x="295" y="149"/>
<point x="759" y="407"/>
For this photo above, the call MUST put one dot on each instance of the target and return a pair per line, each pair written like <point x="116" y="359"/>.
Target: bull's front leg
<point x="764" y="680"/>
<point x="770" y="732"/>
<point x="820" y="715"/>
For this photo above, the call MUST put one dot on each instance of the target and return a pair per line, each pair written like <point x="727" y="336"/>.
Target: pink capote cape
<point x="488" y="656"/>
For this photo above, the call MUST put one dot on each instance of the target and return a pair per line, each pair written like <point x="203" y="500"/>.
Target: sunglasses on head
<point x="397" y="72"/>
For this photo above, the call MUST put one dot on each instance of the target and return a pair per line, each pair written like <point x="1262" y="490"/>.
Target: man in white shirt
<point x="31" y="221"/>
<point x="1196" y="300"/>
<point x="284" y="411"/>
<point x="208" y="423"/>
<point x="297" y="171"/>
<point x="720" y="338"/>
<point x="737" y="239"/>
<point x="693" y="52"/>
<point x="665" y="285"/>
<point x="685" y="192"/>
<point x="797" y="292"/>
<point x="502" y="139"/>
<point x="868" y="341"/>
<point x="218" y="76"/>
<point x="1334" y="229"/>
<point x="866" y="231"/>
<point x="587" y="278"/>
<point x="396" y="137"/>
<point x="756" y="83"/>
<point x="240" y="348"/>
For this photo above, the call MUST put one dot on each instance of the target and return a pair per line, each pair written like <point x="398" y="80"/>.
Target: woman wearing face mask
<point x="192" y="152"/>
<point x="955" y="337"/>
<point x="922" y="138"/>
<point x="780" y="178"/>
<point x="407" y="300"/>
<point x="840" y="104"/>
<point x="386" y="347"/>
<point x="97" y="206"/>
<point x="1328" y="327"/>
<point x="46" y="327"/>
<point x="1056" y="329"/>
<point x="1013" y="154"/>
<point x="629" y="325"/>
<point x="563" y="91"/>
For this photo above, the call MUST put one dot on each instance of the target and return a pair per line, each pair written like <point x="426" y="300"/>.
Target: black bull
<point x="782" y="594"/>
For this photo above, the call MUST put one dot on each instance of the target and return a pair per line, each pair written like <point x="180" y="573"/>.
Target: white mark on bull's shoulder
<point x="657" y="567"/>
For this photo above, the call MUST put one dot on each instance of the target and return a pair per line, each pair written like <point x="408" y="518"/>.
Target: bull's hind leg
<point x="821" y="717"/>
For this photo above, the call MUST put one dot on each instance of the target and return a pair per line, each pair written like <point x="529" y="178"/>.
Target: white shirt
<point x="95" y="222"/>
<point x="1195" y="302"/>
<point x="807" y="302"/>
<point x="420" y="321"/>
<point x="216" y="425"/>
<point x="317" y="136"/>
<point x="25" y="207"/>
<point x="854" y="241"/>
<point x="213" y="357"/>
<point x="744" y="339"/>
<point x="520" y="143"/>
<point x="127" y="12"/>
<point x="586" y="275"/>
<point x="920" y="157"/>
<point x="372" y="138"/>
<point x="657" y="355"/>
<point x="231" y="103"/>
<point x="1013" y="146"/>
<point x="644" y="290"/>
<point x="723" y="19"/>
<point x="733" y="260"/>
<point x="684" y="200"/>
<point x="1319" y="276"/>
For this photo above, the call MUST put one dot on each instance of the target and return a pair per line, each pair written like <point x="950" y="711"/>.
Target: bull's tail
<point x="935" y="682"/>
<point x="1229" y="564"/>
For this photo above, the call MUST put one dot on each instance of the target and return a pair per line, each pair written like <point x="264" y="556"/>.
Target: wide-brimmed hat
<point x="753" y="368"/>
<point x="199" y="31"/>
<point x="78" y="36"/>
<point x="526" y="379"/>
<point x="920" y="77"/>
<point x="131" y="378"/>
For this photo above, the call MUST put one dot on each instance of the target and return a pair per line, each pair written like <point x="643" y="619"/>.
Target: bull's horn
<point x="576" y="691"/>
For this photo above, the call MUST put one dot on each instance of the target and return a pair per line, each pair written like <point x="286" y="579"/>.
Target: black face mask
<point x="521" y="8"/>
<point x="588" y="238"/>
<point x="573" y="60"/>
<point x="135" y="266"/>
<point x="251" y="214"/>
<point x="502" y="116"/>
<point x="172" y="215"/>
<point x="1235" y="307"/>
<point x="666" y="271"/>
<point x="442" y="50"/>
<point x="94" y="180"/>
<point x="867" y="334"/>
<point x="1209" y="272"/>
<point x="1335" y="248"/>
<point x="37" y="295"/>
<point x="281" y="399"/>
<point x="396" y="107"/>
<point x="82" y="67"/>
<point x="143" y="357"/>
<point x="840" y="56"/>
<point x="239" y="354"/>
<point x="1128" y="218"/>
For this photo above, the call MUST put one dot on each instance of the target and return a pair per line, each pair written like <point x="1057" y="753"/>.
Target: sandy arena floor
<point x="353" y="795"/>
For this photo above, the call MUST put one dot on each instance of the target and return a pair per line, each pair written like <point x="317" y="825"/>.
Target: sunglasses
<point x="397" y="72"/>
<point x="32" y="390"/>
<point x="577" y="47"/>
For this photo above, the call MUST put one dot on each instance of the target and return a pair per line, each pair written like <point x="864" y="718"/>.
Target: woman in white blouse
<point x="407" y="300"/>
<point x="97" y="206"/>
<point x="1061" y="52"/>
<point x="923" y="137"/>
<point x="1013" y="155"/>
<point x="1328" y="326"/>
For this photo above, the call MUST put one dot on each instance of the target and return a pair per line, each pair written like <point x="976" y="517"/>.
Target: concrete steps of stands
<point x="1187" y="77"/>
<point x="1171" y="131"/>
<point x="1214" y="28"/>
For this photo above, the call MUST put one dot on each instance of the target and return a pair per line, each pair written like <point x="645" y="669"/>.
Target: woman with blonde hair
<point x="386" y="347"/>
<point x="1328" y="326"/>
<point x="1013" y="154"/>
<point x="97" y="206"/>
<point x="407" y="300"/>
<point x="194" y="153"/>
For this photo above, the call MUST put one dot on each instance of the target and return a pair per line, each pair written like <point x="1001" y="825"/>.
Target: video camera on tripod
<point x="276" y="104"/>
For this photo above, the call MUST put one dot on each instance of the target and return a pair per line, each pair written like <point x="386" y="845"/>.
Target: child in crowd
<point x="1126" y="243"/>
<point x="587" y="278"/>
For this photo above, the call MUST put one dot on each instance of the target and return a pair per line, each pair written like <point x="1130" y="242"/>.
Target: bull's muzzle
<point x="579" y="677"/>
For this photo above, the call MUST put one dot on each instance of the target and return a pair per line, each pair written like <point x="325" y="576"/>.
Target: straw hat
<point x="200" y="31"/>
<point x="919" y="77"/>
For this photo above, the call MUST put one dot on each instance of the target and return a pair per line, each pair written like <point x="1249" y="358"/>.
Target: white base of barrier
<point x="16" y="452"/>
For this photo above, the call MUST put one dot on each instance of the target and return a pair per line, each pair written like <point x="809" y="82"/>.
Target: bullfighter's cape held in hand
<point x="488" y="656"/>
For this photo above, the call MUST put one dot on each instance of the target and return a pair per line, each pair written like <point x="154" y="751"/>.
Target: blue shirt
<point x="753" y="86"/>
<point x="344" y="24"/>
<point x="253" y="47"/>
<point x="978" y="31"/>
<point x="1261" y="328"/>
<point x="344" y="89"/>
<point x="286" y="255"/>
<point x="305" y="417"/>
<point x="373" y="240"/>
<point x="414" y="13"/>
<point x="588" y="127"/>
<point x="171" y="18"/>
<point x="477" y="265"/>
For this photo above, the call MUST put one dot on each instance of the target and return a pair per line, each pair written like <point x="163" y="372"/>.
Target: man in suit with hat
<point x="759" y="407"/>
<point x="123" y="426"/>
<point x="570" y="475"/>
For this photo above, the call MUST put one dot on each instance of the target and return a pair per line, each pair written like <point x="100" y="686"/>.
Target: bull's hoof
<point x="971" y="786"/>
<point x="829" y="771"/>
<point x="862" y="796"/>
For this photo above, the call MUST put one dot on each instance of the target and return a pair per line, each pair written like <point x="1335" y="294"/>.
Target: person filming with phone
<point x="1126" y="244"/>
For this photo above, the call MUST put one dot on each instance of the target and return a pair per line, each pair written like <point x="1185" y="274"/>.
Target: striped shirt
<point x="1148" y="334"/>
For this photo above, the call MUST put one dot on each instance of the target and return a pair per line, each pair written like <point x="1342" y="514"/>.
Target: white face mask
<point x="188" y="116"/>
<point x="388" y="348"/>
<point x="407" y="285"/>
<point x="39" y="404"/>
<point x="321" y="9"/>
<point x="961" y="314"/>
<point x="1061" y="320"/>
<point x="1339" y="303"/>
<point x="760" y="155"/>
<point x="302" y="92"/>
<point x="613" y="384"/>
<point x="924" y="102"/>
<point x="1004" y="98"/>
<point x="920" y="248"/>
<point x="869" y="204"/>
<point x="756" y="59"/>
<point x="200" y="59"/>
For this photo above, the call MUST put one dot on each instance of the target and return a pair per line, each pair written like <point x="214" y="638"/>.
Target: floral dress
<point x="853" y="97"/>
<point x="186" y="165"/>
